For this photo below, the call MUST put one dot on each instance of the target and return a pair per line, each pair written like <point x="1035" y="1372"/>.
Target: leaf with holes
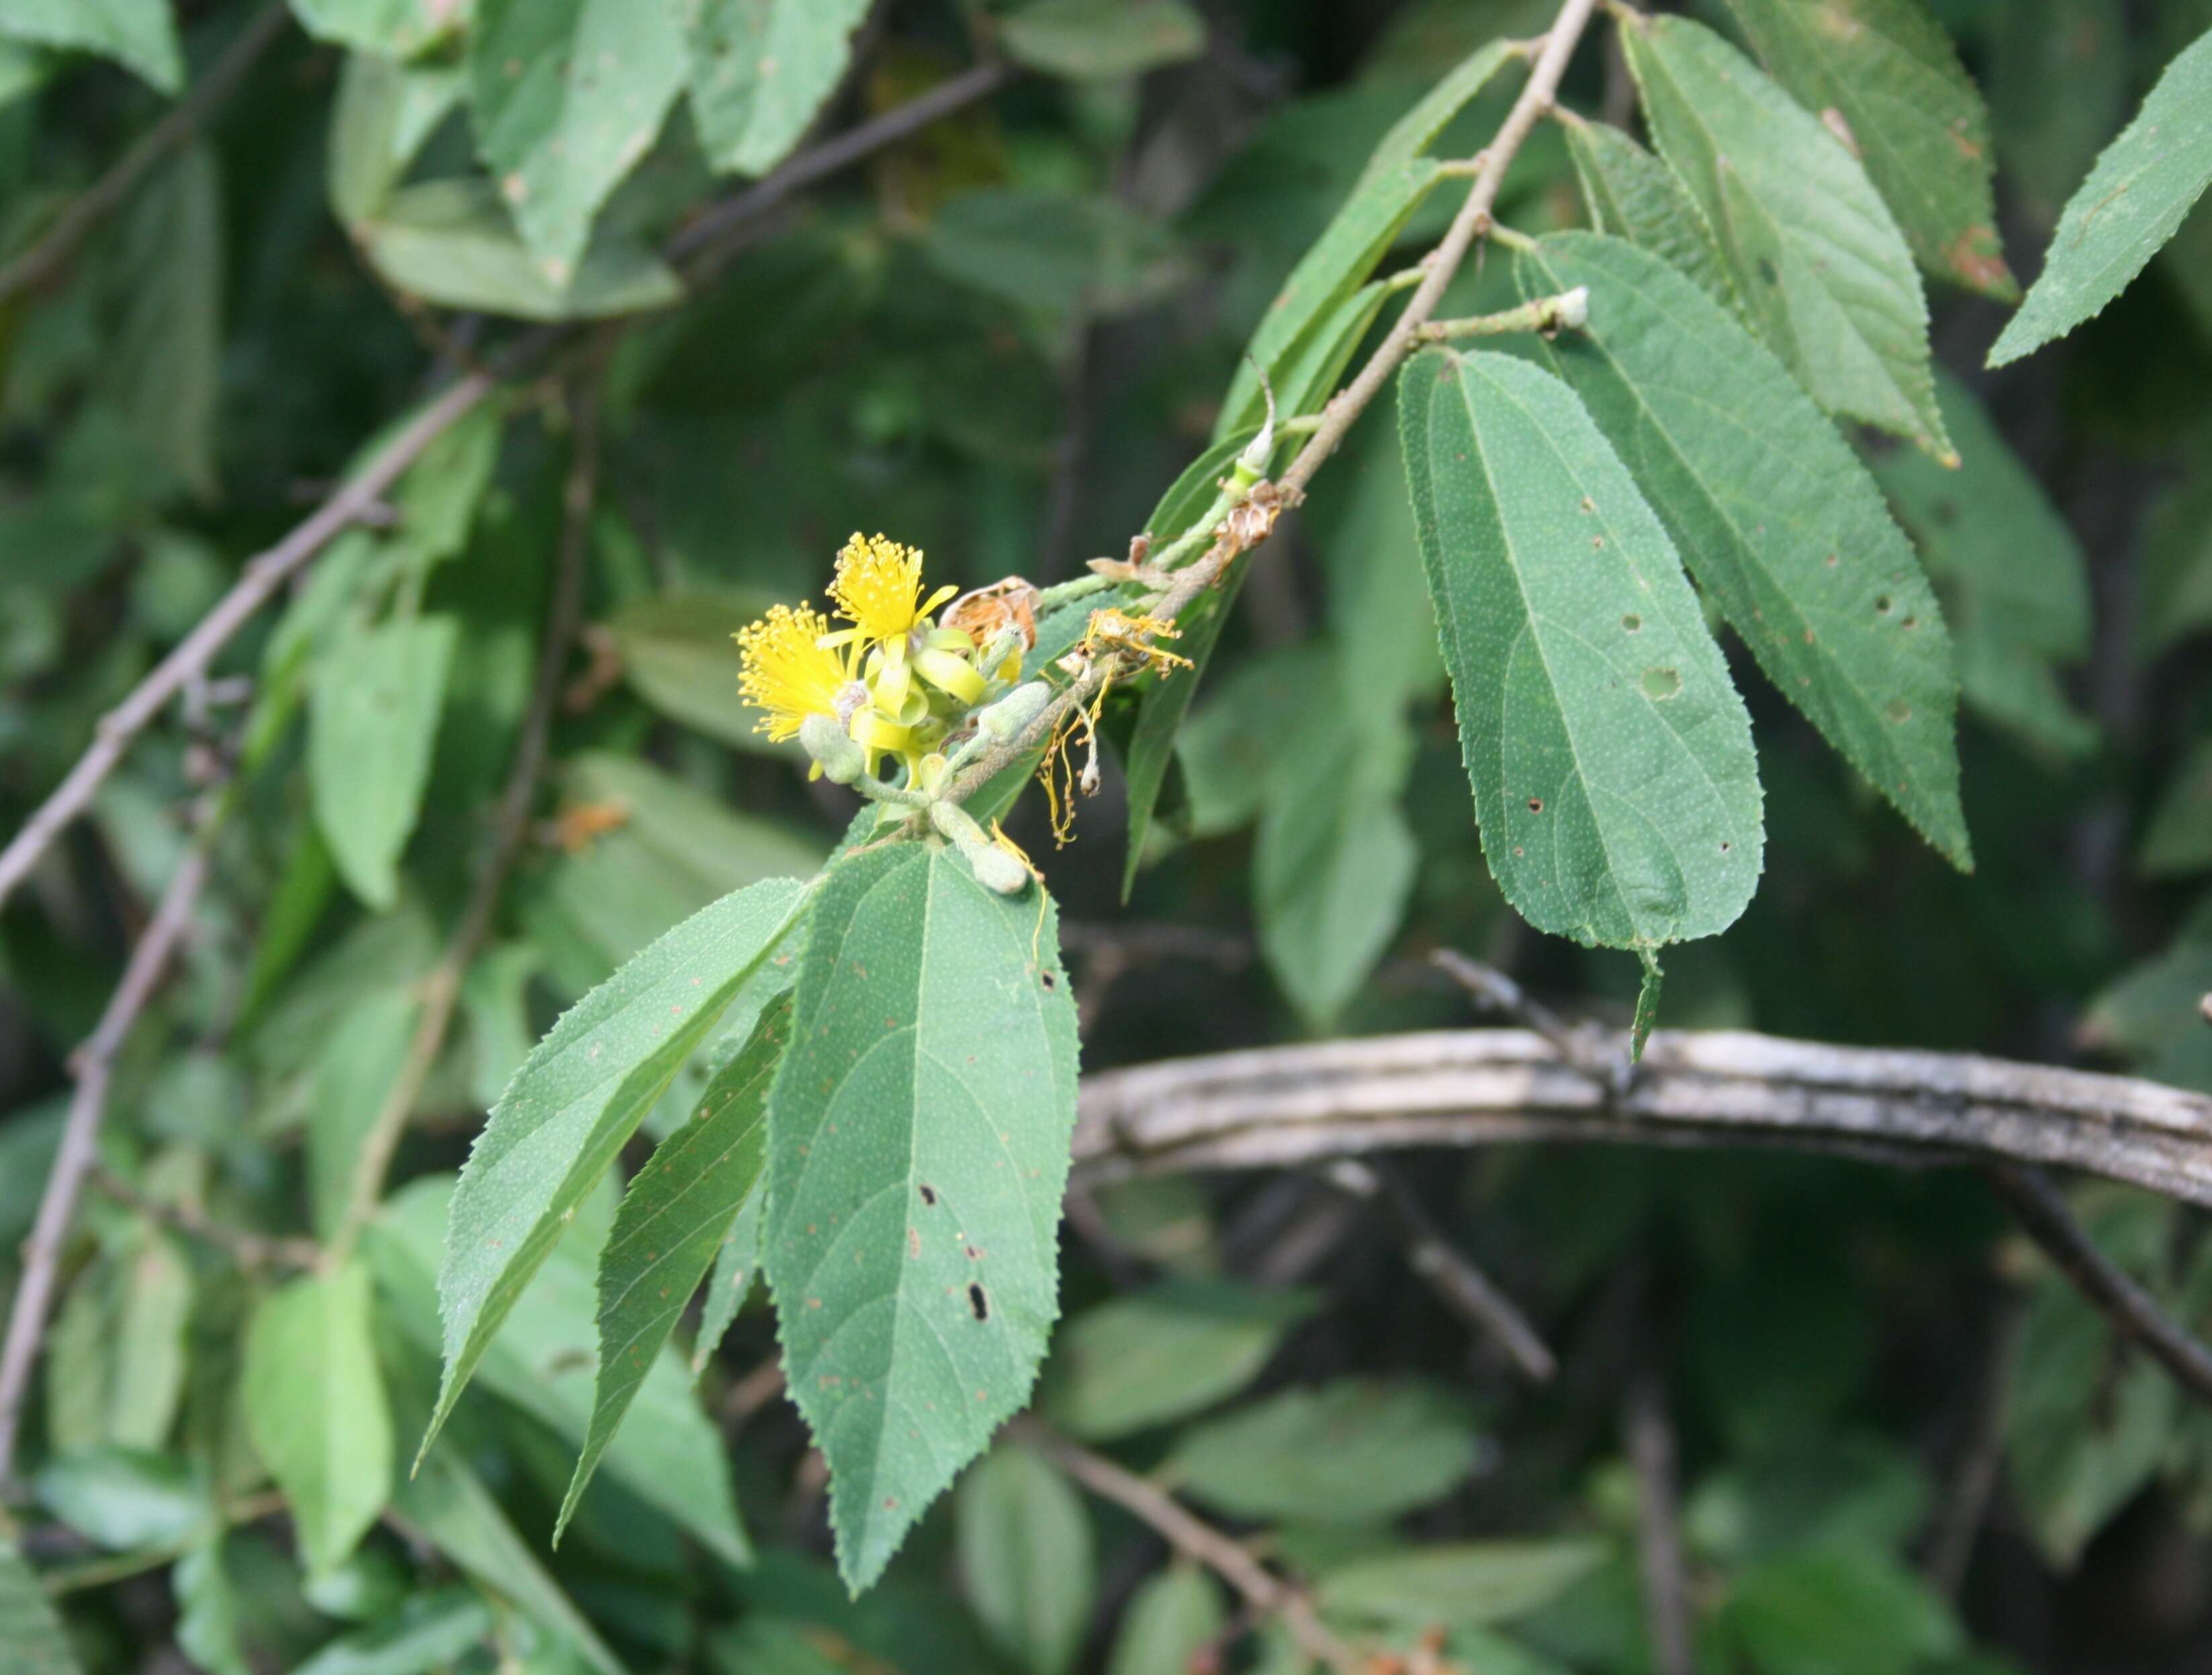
<point x="1884" y="76"/>
<point x="2132" y="203"/>
<point x="567" y="96"/>
<point x="918" y="1148"/>
<point x="674" y="1220"/>
<point x="1610" y="756"/>
<point x="577" y="1098"/>
<point x="1776" y="515"/>
<point x="1823" y="271"/>
<point x="760" y="70"/>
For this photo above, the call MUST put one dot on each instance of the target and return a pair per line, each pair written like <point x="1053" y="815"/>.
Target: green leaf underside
<point x="1353" y="1451"/>
<point x="316" y="1409"/>
<point x="1777" y="516"/>
<point x="450" y="242"/>
<point x="1890" y="73"/>
<point x="567" y="96"/>
<point x="1819" y="264"/>
<point x="760" y="70"/>
<point x="139" y="35"/>
<point x="1635" y="195"/>
<point x="1124" y="1366"/>
<point x="393" y="28"/>
<point x="1026" y="1557"/>
<point x="1102" y="38"/>
<point x="1163" y="701"/>
<point x="2133" y="201"/>
<point x="377" y="698"/>
<point x="674" y="1220"/>
<point x="919" y="1148"/>
<point x="578" y="1098"/>
<point x="1610" y="758"/>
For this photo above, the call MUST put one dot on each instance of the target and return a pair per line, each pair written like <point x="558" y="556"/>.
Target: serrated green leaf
<point x="315" y="1404"/>
<point x="377" y="695"/>
<point x="452" y="243"/>
<point x="567" y="96"/>
<point x="389" y="29"/>
<point x="918" y="1150"/>
<point x="1097" y="38"/>
<point x="737" y="1264"/>
<point x="139" y="35"/>
<point x="355" y="1066"/>
<point x="760" y="70"/>
<point x="116" y="1358"/>
<point x="674" y="1220"/>
<point x="1610" y="758"/>
<point x="1890" y="74"/>
<point x="544" y="1361"/>
<point x="575" y="1101"/>
<point x="1469" y="1583"/>
<point x="2131" y="203"/>
<point x="1169" y="1621"/>
<point x="1025" y="1557"/>
<point x="1632" y="195"/>
<point x="1354" y="1452"/>
<point x="1820" y="264"/>
<point x="126" y="1498"/>
<point x="28" y="1628"/>
<point x="1163" y="701"/>
<point x="2014" y="575"/>
<point x="1136" y="1362"/>
<point x="1336" y="265"/>
<point x="1777" y="516"/>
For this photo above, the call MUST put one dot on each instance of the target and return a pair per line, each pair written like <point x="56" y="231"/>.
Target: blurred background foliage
<point x="1000" y="340"/>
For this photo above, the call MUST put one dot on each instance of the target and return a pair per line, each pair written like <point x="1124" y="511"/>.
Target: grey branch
<point x="1299" y="1105"/>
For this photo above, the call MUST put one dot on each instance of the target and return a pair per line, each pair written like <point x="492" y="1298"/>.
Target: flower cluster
<point x="894" y="681"/>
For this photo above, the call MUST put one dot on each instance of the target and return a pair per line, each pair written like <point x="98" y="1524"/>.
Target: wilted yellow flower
<point x="791" y="672"/>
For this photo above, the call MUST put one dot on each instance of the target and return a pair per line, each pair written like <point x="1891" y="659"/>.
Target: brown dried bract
<point x="983" y="612"/>
<point x="1253" y="520"/>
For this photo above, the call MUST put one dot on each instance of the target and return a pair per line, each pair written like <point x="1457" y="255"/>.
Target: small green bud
<point x="830" y="745"/>
<point x="994" y="869"/>
<point x="1012" y="713"/>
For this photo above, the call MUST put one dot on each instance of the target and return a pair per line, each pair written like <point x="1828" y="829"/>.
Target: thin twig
<point x="2043" y="1213"/>
<point x="94" y="1063"/>
<point x="441" y="989"/>
<point x="1547" y="316"/>
<point x="1249" y="523"/>
<point x="1192" y="1536"/>
<point x="1492" y="988"/>
<point x="248" y="1250"/>
<point x="1974" y="1479"/>
<point x="1460" y="1285"/>
<point x="1649" y="1434"/>
<point x="359" y="496"/>
<point x="45" y="259"/>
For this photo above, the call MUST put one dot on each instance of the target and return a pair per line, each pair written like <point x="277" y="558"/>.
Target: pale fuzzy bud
<point x="994" y="869"/>
<point x="1573" y="313"/>
<point x="1012" y="713"/>
<point x="829" y="744"/>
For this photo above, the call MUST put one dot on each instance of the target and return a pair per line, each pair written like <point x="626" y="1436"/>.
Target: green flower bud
<point x="841" y="759"/>
<point x="1012" y="713"/>
<point x="994" y="869"/>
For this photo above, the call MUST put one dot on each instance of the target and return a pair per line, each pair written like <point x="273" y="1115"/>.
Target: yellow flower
<point x="791" y="672"/>
<point x="877" y="588"/>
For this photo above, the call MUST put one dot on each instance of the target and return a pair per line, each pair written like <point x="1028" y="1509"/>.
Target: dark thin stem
<point x="247" y="1249"/>
<point x="1974" y="1479"/>
<point x="1460" y="1285"/>
<point x="1648" y="1431"/>
<point x="94" y="1063"/>
<point x="2045" y="1215"/>
<point x="44" y="261"/>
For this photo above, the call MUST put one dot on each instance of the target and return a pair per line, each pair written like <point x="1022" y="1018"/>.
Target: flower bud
<point x="994" y="869"/>
<point x="1012" y="713"/>
<point x="842" y="759"/>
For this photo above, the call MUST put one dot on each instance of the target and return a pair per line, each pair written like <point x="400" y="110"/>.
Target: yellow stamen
<point x="877" y="588"/>
<point x="787" y="673"/>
